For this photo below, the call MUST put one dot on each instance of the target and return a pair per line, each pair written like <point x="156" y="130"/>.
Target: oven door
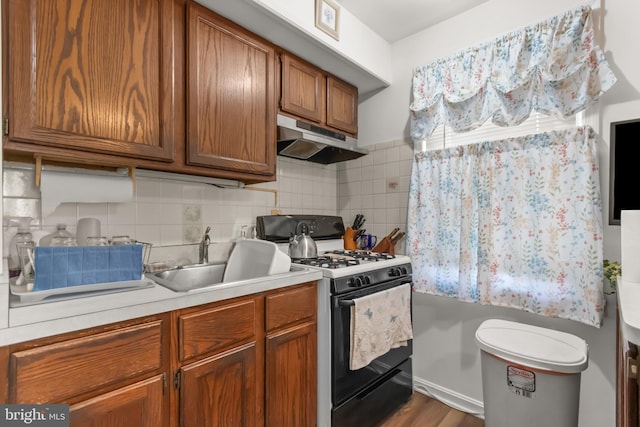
<point x="345" y="382"/>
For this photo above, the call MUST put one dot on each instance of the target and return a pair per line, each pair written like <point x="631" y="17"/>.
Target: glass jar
<point x="97" y="241"/>
<point x="121" y="240"/>
<point x="63" y="241"/>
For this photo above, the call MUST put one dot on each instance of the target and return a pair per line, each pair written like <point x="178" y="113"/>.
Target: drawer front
<point x="57" y="372"/>
<point x="217" y="328"/>
<point x="291" y="306"/>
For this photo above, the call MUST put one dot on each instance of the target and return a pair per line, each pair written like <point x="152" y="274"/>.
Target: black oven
<point x="365" y="396"/>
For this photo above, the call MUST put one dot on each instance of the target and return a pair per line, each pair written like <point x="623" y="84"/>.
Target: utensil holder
<point x="349" y="243"/>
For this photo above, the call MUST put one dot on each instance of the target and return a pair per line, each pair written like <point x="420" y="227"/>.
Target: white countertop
<point x="629" y="306"/>
<point x="37" y="321"/>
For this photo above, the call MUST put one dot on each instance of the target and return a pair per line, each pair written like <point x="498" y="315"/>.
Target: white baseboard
<point x="449" y="397"/>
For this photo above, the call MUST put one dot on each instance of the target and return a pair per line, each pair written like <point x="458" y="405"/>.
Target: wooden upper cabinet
<point x="342" y="105"/>
<point x="311" y="94"/>
<point x="92" y="75"/>
<point x="303" y="89"/>
<point x="231" y="103"/>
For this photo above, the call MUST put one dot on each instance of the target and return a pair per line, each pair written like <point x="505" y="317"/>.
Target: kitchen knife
<point x="390" y="235"/>
<point x="397" y="238"/>
<point x="361" y="223"/>
<point x="356" y="221"/>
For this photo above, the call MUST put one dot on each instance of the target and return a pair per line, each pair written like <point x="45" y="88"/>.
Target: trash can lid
<point x="533" y="346"/>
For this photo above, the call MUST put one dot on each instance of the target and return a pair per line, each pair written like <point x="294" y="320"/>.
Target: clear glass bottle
<point x="61" y="234"/>
<point x="23" y="236"/>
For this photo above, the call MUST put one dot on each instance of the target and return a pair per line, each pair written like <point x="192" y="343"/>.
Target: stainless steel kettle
<point x="302" y="245"/>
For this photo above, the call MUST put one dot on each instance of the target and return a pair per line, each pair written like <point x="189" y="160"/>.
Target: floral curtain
<point x="514" y="223"/>
<point x="553" y="67"/>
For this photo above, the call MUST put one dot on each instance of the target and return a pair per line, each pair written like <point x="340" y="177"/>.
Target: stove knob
<point x="366" y="280"/>
<point x="359" y="281"/>
<point x="404" y="270"/>
<point x="394" y="272"/>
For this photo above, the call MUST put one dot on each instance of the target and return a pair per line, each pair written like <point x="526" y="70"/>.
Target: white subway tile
<point x="392" y="200"/>
<point x="211" y="194"/>
<point x="392" y="154"/>
<point x="211" y="214"/>
<point x="192" y="214"/>
<point x="148" y="233"/>
<point x="192" y="193"/>
<point x="392" y="169"/>
<point x="366" y="187"/>
<point x="171" y="192"/>
<point x="171" y="235"/>
<point x="171" y="214"/>
<point x="367" y="201"/>
<point x="122" y="213"/>
<point x="379" y="216"/>
<point x="379" y="157"/>
<point x="366" y="160"/>
<point x="192" y="233"/>
<point x="228" y="214"/>
<point x="379" y="200"/>
<point x="148" y="190"/>
<point x="379" y="186"/>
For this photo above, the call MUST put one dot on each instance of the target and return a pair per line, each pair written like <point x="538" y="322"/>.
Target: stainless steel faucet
<point x="204" y="247"/>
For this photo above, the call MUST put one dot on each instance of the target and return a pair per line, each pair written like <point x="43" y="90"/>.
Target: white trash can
<point x="530" y="375"/>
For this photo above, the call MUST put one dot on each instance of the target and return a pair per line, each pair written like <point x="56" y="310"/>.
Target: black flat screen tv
<point x="624" y="180"/>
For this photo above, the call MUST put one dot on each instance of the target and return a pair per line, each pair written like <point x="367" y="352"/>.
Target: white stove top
<point x="363" y="266"/>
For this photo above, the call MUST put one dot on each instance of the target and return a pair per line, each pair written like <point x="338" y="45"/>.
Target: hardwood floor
<point x="423" y="411"/>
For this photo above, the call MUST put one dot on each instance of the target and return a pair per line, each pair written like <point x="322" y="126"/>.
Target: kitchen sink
<point x="189" y="277"/>
<point x="249" y="259"/>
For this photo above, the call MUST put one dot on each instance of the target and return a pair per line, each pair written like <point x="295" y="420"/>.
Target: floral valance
<point x="553" y="67"/>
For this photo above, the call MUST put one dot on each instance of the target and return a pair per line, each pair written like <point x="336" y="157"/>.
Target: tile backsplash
<point x="377" y="186"/>
<point x="171" y="213"/>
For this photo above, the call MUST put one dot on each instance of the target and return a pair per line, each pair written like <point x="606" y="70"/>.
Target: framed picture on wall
<point x="328" y="17"/>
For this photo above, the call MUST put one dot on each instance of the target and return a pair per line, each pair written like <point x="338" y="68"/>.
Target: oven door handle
<point x="346" y="302"/>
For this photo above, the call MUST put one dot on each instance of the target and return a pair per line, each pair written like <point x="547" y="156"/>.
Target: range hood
<point x="301" y="140"/>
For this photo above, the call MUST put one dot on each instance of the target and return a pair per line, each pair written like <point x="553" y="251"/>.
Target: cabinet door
<point x="220" y="390"/>
<point x="140" y="404"/>
<point x="92" y="75"/>
<point x="303" y="89"/>
<point x="291" y="377"/>
<point x="342" y="105"/>
<point x="231" y="100"/>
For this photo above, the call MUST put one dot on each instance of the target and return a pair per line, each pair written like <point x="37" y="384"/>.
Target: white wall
<point x="446" y="359"/>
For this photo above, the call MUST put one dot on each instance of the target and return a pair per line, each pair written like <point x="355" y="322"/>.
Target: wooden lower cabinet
<point x="220" y="390"/>
<point x="248" y="361"/>
<point x="291" y="377"/>
<point x="140" y="404"/>
<point x="627" y="393"/>
<point x="109" y="375"/>
<point x="291" y="357"/>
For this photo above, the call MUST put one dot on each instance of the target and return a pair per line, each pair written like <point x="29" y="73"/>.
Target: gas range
<point x="346" y="275"/>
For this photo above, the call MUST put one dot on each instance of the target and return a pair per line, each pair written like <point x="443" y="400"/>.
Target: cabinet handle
<point x="632" y="368"/>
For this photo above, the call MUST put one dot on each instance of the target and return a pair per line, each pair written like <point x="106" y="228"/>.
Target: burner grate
<point x="363" y="256"/>
<point x="327" y="262"/>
